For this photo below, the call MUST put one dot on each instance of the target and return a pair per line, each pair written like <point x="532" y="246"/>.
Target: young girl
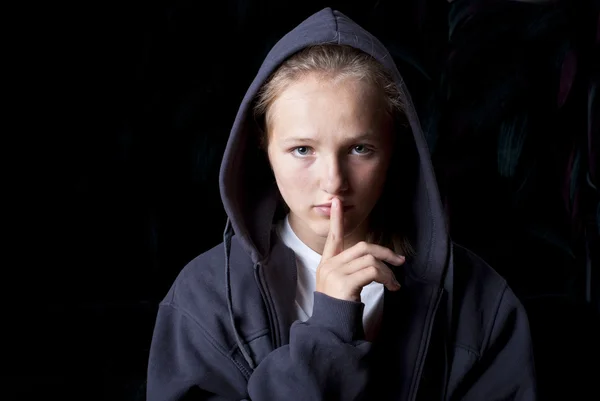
<point x="340" y="282"/>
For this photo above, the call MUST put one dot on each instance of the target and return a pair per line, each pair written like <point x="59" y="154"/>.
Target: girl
<point x="341" y="281"/>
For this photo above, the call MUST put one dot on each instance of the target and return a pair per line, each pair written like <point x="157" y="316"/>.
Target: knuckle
<point x="370" y="259"/>
<point x="372" y="270"/>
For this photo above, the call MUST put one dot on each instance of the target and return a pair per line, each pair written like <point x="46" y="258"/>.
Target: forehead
<point x="313" y="87"/>
<point x="319" y="105"/>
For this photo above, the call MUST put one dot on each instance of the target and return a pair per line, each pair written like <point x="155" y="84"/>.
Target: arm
<point x="505" y="370"/>
<point x="325" y="359"/>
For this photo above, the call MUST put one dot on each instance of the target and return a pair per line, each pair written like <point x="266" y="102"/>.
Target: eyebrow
<point x="358" y="138"/>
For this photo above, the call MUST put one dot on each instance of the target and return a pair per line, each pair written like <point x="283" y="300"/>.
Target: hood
<point x="248" y="188"/>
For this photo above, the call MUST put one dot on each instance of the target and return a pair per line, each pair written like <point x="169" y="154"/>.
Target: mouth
<point x="325" y="209"/>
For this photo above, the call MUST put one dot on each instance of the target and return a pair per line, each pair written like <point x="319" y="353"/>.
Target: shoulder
<point x="204" y="277"/>
<point x="197" y="274"/>
<point x="474" y="278"/>
<point x="200" y="293"/>
<point x="470" y="268"/>
<point x="481" y="299"/>
<point x="200" y="282"/>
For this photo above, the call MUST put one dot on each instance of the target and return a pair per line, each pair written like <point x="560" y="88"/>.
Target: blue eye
<point x="302" y="150"/>
<point x="361" y="150"/>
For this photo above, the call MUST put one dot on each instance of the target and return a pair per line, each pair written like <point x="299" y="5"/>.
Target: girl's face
<point x="329" y="140"/>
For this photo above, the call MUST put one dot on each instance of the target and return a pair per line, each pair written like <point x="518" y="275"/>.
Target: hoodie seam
<point x="468" y="349"/>
<point x="205" y="332"/>
<point x="245" y="372"/>
<point x="425" y="342"/>
<point x="337" y="31"/>
<point x="247" y="339"/>
<point x="251" y="338"/>
<point x="492" y="323"/>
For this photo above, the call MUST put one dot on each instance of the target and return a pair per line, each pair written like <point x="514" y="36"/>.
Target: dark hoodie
<point x="226" y="331"/>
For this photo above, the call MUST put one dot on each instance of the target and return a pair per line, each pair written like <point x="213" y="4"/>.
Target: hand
<point x="343" y="273"/>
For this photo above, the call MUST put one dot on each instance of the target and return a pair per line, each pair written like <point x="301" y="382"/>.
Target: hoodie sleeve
<point x="505" y="370"/>
<point x="325" y="359"/>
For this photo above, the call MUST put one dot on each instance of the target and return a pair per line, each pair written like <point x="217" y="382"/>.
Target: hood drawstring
<point x="227" y="234"/>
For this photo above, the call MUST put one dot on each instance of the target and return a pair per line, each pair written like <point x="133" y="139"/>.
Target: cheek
<point x="368" y="180"/>
<point x="292" y="179"/>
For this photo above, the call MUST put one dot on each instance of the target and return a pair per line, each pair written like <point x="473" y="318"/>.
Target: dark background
<point x="123" y="111"/>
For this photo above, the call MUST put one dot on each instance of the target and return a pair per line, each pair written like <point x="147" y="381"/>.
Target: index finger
<point x="335" y="238"/>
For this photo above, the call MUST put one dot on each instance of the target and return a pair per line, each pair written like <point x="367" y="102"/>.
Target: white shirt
<point x="307" y="262"/>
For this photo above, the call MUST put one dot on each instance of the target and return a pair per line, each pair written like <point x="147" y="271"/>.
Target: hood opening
<point x="248" y="189"/>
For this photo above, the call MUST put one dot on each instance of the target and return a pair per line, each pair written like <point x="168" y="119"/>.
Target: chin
<point x="320" y="228"/>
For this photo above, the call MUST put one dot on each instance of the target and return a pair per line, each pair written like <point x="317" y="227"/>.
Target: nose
<point x="333" y="175"/>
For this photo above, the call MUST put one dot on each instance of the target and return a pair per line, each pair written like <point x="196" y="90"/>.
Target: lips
<point x="325" y="209"/>
<point x="328" y="205"/>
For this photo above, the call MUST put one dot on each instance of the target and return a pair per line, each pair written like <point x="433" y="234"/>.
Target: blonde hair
<point x="338" y="63"/>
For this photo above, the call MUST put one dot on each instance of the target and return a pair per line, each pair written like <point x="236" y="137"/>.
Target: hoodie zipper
<point x="267" y="300"/>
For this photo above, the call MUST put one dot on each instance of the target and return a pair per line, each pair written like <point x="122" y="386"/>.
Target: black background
<point x="121" y="114"/>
